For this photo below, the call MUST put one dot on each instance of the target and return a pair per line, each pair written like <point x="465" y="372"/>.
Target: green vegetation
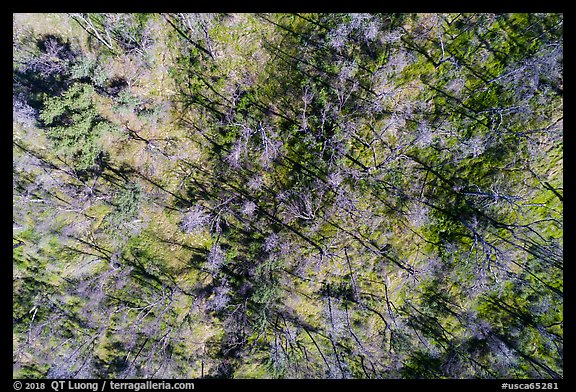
<point x="288" y="196"/>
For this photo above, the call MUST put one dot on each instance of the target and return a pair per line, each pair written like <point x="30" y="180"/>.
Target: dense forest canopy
<point x="287" y="195"/>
